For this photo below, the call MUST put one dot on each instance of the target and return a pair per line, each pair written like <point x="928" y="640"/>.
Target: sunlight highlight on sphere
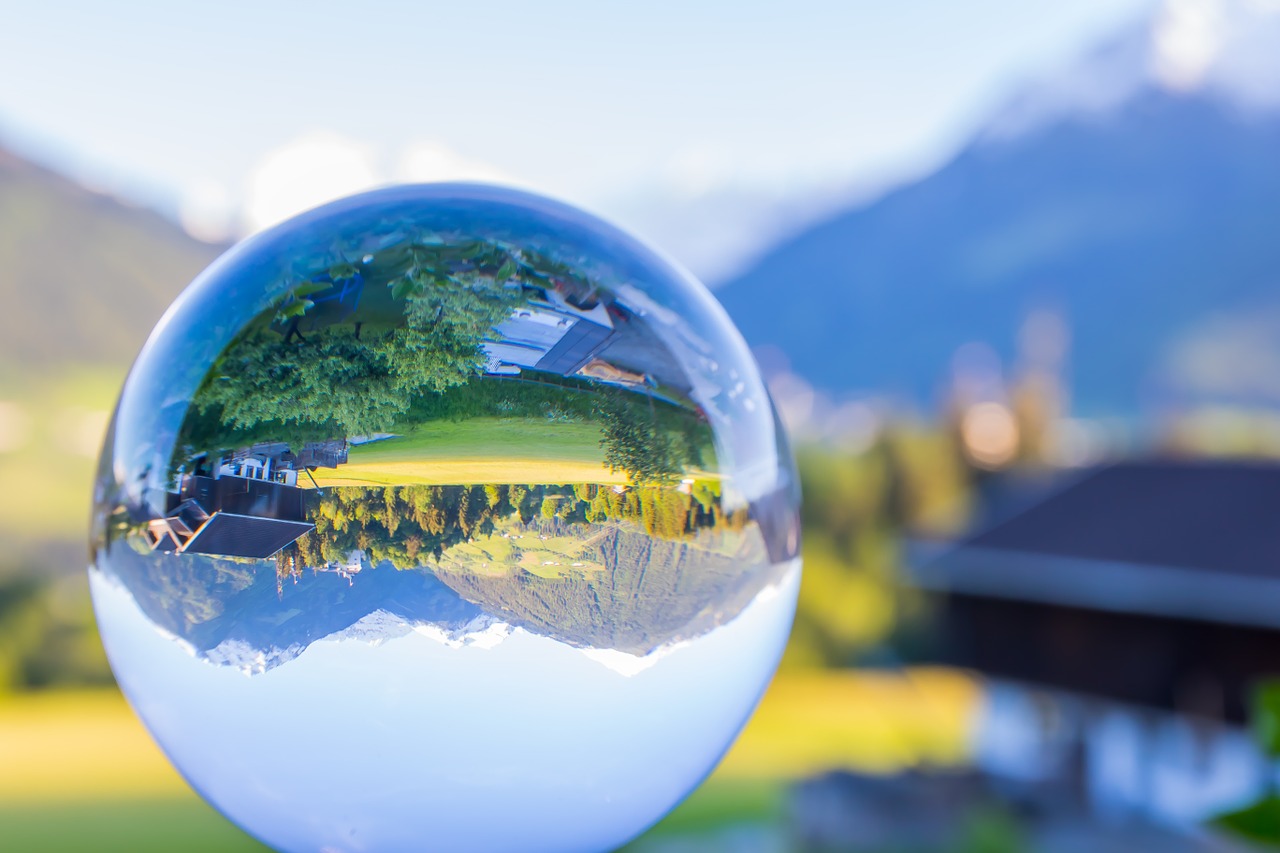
<point x="444" y="517"/>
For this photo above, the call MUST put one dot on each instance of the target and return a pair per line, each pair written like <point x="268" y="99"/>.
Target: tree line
<point x="298" y="374"/>
<point x="408" y="525"/>
<point x="423" y="333"/>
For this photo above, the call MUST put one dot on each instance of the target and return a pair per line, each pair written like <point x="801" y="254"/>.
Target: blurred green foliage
<point x="83" y="278"/>
<point x="856" y="510"/>
<point x="1260" y="820"/>
<point x="128" y="826"/>
<point x="1266" y="716"/>
<point x="47" y="635"/>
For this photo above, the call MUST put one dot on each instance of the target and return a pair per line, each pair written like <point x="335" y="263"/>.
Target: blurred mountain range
<point x="1136" y="194"/>
<point x="83" y="277"/>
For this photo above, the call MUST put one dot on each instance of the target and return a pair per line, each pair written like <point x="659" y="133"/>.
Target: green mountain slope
<point x="83" y="277"/>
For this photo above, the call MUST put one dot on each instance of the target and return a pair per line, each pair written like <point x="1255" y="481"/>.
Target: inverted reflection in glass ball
<point x="444" y="517"/>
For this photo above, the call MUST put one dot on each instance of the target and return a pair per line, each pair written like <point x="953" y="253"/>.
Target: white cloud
<point x="690" y="204"/>
<point x="207" y="211"/>
<point x="323" y="166"/>
<point x="304" y="173"/>
<point x="425" y="162"/>
<point x="696" y="170"/>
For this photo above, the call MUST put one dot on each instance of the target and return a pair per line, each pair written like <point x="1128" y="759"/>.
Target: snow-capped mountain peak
<point x="1226" y="49"/>
<point x="1232" y="46"/>
<point x="373" y="629"/>
<point x="249" y="659"/>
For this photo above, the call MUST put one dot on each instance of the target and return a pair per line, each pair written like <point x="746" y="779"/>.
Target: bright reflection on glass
<point x="444" y="516"/>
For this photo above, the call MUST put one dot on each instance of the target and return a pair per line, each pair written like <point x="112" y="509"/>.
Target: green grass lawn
<point x="481" y="450"/>
<point x="142" y="825"/>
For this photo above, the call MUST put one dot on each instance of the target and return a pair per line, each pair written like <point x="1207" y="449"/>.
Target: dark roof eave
<point x="1118" y="587"/>
<point x="291" y="531"/>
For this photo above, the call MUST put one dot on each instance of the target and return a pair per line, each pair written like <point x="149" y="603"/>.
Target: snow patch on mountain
<point x="628" y="665"/>
<point x="249" y="659"/>
<point x="482" y="632"/>
<point x="374" y="629"/>
<point x="1232" y="46"/>
<point x="1225" y="49"/>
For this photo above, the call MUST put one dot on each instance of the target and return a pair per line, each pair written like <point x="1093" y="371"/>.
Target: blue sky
<point x="190" y="105"/>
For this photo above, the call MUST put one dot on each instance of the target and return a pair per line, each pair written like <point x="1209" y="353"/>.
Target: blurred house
<point x="1124" y="619"/>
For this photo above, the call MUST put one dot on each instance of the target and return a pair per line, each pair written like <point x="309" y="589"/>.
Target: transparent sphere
<point x="444" y="517"/>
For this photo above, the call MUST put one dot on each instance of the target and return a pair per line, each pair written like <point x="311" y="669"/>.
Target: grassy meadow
<point x="479" y="450"/>
<point x="495" y="554"/>
<point x="81" y="772"/>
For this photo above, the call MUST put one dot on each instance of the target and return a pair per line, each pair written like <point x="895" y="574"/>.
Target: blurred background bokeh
<point x="1012" y="271"/>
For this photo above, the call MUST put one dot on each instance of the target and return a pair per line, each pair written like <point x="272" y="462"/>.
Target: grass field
<point x="482" y="450"/>
<point x="80" y="773"/>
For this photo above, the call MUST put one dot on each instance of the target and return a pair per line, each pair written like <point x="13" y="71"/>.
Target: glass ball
<point x="444" y="517"/>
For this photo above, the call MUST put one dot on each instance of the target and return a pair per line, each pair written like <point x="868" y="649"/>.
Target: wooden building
<point x="1151" y="583"/>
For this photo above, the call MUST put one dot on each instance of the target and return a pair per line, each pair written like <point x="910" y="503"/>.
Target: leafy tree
<point x="421" y="358"/>
<point x="362" y="383"/>
<point x="635" y="442"/>
<point x="332" y="378"/>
